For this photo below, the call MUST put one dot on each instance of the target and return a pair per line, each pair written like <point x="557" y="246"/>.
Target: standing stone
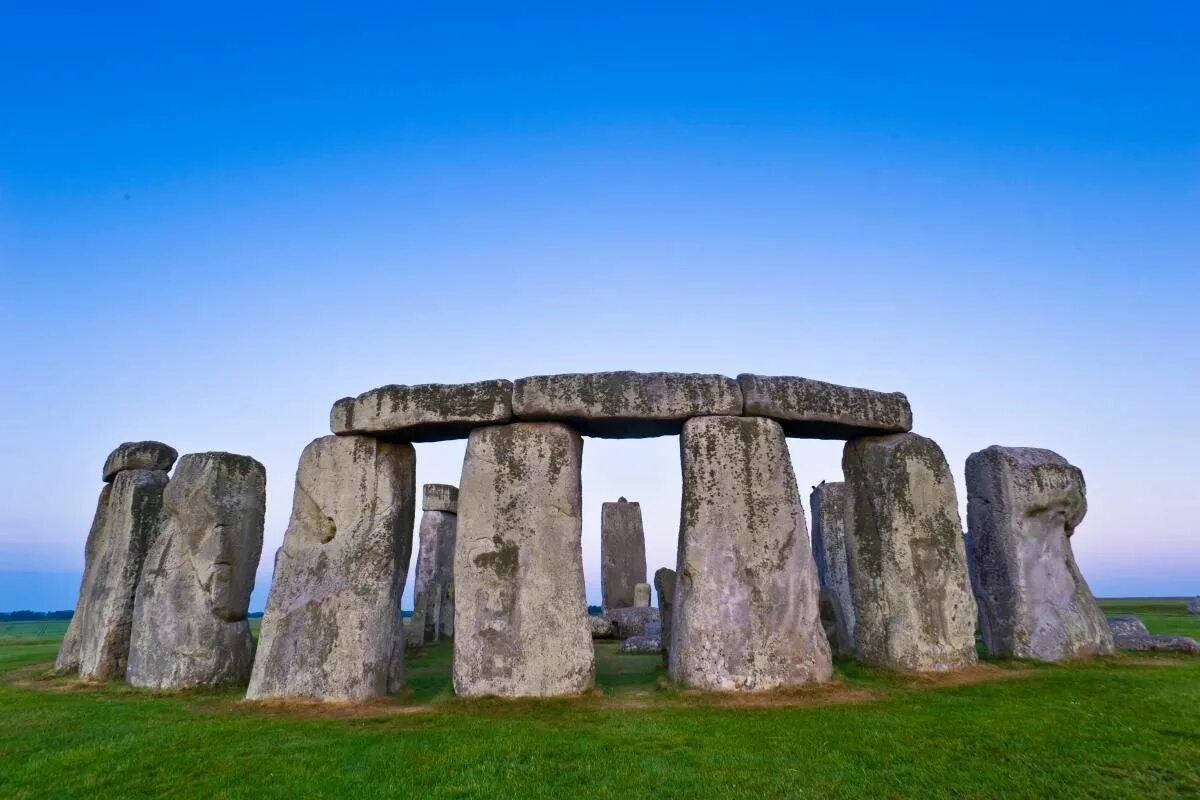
<point x="622" y="552"/>
<point x="67" y="661"/>
<point x="332" y="629"/>
<point x="520" y="610"/>
<point x="641" y="595"/>
<point x="189" y="619"/>
<point x="664" y="585"/>
<point x="1193" y="605"/>
<point x="834" y="623"/>
<point x="913" y="608"/>
<point x="433" y="591"/>
<point x="746" y="613"/>
<point x="131" y="525"/>
<point x="828" y="503"/>
<point x="1023" y="505"/>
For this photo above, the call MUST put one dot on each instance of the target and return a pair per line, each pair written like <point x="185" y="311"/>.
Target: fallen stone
<point x="439" y="497"/>
<point x="641" y="594"/>
<point x="1127" y="626"/>
<point x="746" y="613"/>
<point x="332" y="629"/>
<point x="817" y="410"/>
<point x="828" y="503"/>
<point x="622" y="553"/>
<point x="834" y="624"/>
<point x="632" y="621"/>
<point x="67" y="661"/>
<point x="625" y="405"/>
<point x="431" y="412"/>
<point x="641" y="645"/>
<point x="521" y="620"/>
<point x="139" y="455"/>
<point x="1023" y="505"/>
<point x="913" y="608"/>
<point x="664" y="585"/>
<point x="131" y="525"/>
<point x="602" y="628"/>
<point x="189" y="618"/>
<point x="1159" y="644"/>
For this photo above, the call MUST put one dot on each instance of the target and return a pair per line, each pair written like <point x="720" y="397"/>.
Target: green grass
<point x="1122" y="727"/>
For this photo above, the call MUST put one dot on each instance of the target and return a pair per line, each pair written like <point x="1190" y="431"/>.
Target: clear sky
<point x="214" y="222"/>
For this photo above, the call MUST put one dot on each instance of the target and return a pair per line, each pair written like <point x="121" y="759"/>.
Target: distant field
<point x="1125" y="727"/>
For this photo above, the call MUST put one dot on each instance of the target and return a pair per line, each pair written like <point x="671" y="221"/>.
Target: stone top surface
<point x="817" y="410"/>
<point x="429" y="412"/>
<point x="439" y="497"/>
<point x="139" y="455"/>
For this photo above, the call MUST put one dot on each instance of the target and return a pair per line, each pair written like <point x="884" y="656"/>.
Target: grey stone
<point x="521" y="627"/>
<point x="67" y="661"/>
<point x="189" y="618"/>
<point x="131" y="524"/>
<point x="434" y="580"/>
<point x="622" y="553"/>
<point x="828" y="503"/>
<point x="746" y="613"/>
<point x="431" y="412"/>
<point x="913" y="608"/>
<point x="414" y="626"/>
<point x="1023" y="505"/>
<point x="625" y="405"/>
<point x="654" y="628"/>
<point x="439" y="497"/>
<point x="664" y="585"/>
<point x="602" y="627"/>
<point x="1127" y="626"/>
<point x="834" y="623"/>
<point x="642" y="645"/>
<point x="632" y="621"/>
<point x="818" y="410"/>
<point x="641" y="594"/>
<point x="1193" y="605"/>
<point x="139" y="455"/>
<point x="1159" y="644"/>
<point x="332" y="628"/>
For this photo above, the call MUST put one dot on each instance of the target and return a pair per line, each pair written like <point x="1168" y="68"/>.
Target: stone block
<point x="431" y="412"/>
<point x="812" y="409"/>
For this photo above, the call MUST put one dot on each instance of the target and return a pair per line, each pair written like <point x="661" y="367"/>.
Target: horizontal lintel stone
<point x="430" y="412"/>
<point x="817" y="410"/>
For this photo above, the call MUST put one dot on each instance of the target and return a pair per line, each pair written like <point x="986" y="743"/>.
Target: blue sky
<point x="214" y="225"/>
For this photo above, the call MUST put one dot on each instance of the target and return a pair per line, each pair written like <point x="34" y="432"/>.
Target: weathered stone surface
<point x="139" y="455"/>
<point x="641" y="594"/>
<point x="602" y="628"/>
<point x="67" y="661"/>
<point x="641" y="645"/>
<point x="1023" y="505"/>
<point x="439" y="497"/>
<point x="189" y="618"/>
<point x="664" y="586"/>
<point x="332" y="628"/>
<point x="622" y="552"/>
<point x="625" y="405"/>
<point x="520" y="610"/>
<point x="1127" y="626"/>
<point x="1193" y="605"/>
<point x="131" y="525"/>
<point x="746" y="613"/>
<point x="828" y="503"/>
<point x="430" y="412"/>
<point x="632" y="621"/>
<point x="913" y="608"/>
<point x="818" y="410"/>
<point x="834" y="623"/>
<point x="414" y="626"/>
<point x="1159" y="644"/>
<point x="434" y="580"/>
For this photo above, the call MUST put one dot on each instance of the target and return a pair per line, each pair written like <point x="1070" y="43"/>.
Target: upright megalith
<point x="622" y="552"/>
<point x="67" y="661"/>
<point x="433" y="590"/>
<point x="1023" y="505"/>
<point x="913" y="608"/>
<point x="746" y="613"/>
<point x="664" y="586"/>
<point x="641" y="595"/>
<point x="521" y="627"/>
<point x="189" y="618"/>
<point x="332" y="628"/>
<point x="828" y="502"/>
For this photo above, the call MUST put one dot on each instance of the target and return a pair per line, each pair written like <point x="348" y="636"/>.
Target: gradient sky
<point x="216" y="222"/>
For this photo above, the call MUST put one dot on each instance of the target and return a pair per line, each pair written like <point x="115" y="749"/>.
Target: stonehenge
<point x="1023" y="505"/>
<point x="641" y="595"/>
<point x="622" y="553"/>
<point x="664" y="585"/>
<point x="154" y="456"/>
<point x="67" y="661"/>
<point x="828" y="504"/>
<point x="818" y="410"/>
<point x="433" y="591"/>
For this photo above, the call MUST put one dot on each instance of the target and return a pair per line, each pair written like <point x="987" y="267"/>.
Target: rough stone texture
<point x="414" y="626"/>
<point x="1193" y="606"/>
<point x="189" y="619"/>
<point x="641" y="645"/>
<point x="439" y="497"/>
<point x="834" y="623"/>
<point x="818" y="410"/>
<point x="332" y="628"/>
<point x="1023" y="505"/>
<point x="520" y="610"/>
<point x="430" y="412"/>
<point x="602" y="628"/>
<point x="664" y="586"/>
<point x="139" y="455"/>
<point x="641" y="595"/>
<point x="625" y="405"/>
<point x="1127" y="626"/>
<point x="913" y="608"/>
<point x="828" y="503"/>
<point x="1159" y="644"/>
<point x="434" y="579"/>
<point x="746" y="613"/>
<point x="632" y="621"/>
<point x="131" y="525"/>
<point x="622" y="552"/>
<point x="67" y="661"/>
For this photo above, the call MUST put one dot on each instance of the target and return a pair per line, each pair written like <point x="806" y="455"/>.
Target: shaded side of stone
<point x="828" y="502"/>
<point x="817" y="410"/>
<point x="622" y="552"/>
<point x="430" y="412"/>
<point x="632" y="621"/>
<point x="664" y="587"/>
<point x="834" y="623"/>
<point x="67" y="661"/>
<point x="139" y="455"/>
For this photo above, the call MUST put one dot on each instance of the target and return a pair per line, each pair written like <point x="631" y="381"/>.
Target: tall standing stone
<point x="664" y="586"/>
<point x="332" y="629"/>
<point x="433" y="590"/>
<point x="520" y="610"/>
<point x="828" y="503"/>
<point x="1023" y="505"/>
<point x="746" y="613"/>
<point x="67" y="661"/>
<point x="189" y="619"/>
<point x="622" y="552"/>
<point x="913" y="608"/>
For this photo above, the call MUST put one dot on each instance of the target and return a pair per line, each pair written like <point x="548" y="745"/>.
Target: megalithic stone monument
<point x="622" y="553"/>
<point x="664" y="585"/>
<point x="67" y="661"/>
<point x="433" y="590"/>
<point x="828" y="502"/>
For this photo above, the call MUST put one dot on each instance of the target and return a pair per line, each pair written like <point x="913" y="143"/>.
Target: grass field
<point x="1128" y="726"/>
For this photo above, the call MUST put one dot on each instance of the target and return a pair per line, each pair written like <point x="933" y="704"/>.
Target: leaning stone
<point x="520" y="610"/>
<point x="746" y="613"/>
<point x="332" y="629"/>
<point x="67" y="661"/>
<point x="139" y="455"/>
<point x="664" y="584"/>
<point x="641" y="594"/>
<point x="1127" y="626"/>
<point x="189" y="619"/>
<point x="439" y="497"/>
<point x="1159" y="644"/>
<point x="913" y="608"/>
<point x="828" y="503"/>
<point x="835" y="624"/>
<point x="622" y="553"/>
<point x="641" y="645"/>
<point x="602" y="628"/>
<point x="1023" y="505"/>
<point x="1193" y="605"/>
<point x="632" y="621"/>
<point x="625" y="405"/>
<point x="131" y="525"/>
<point x="431" y="412"/>
<point x="817" y="410"/>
